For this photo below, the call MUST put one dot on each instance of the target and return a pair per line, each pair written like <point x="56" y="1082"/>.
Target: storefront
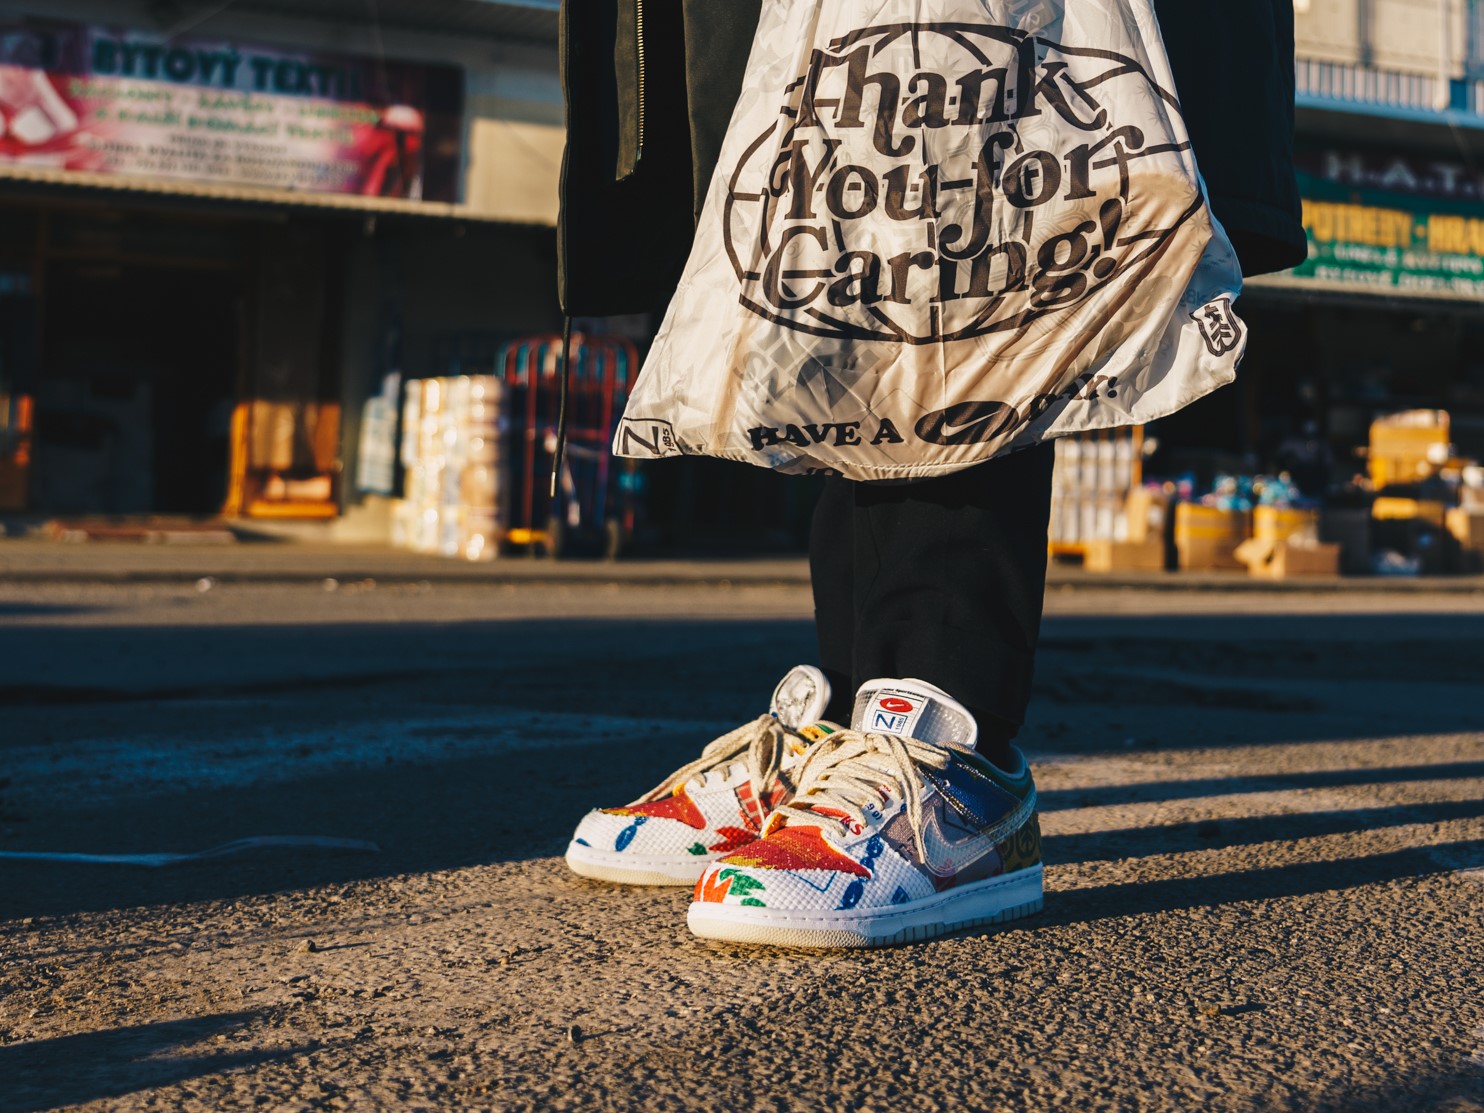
<point x="1386" y="314"/>
<point x="213" y="250"/>
<point x="1350" y="440"/>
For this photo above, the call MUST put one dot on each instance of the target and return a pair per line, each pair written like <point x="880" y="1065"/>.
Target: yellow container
<point x="1125" y="556"/>
<point x="1389" y="509"/>
<point x="1278" y="523"/>
<point x="1408" y="447"/>
<point x="1207" y="538"/>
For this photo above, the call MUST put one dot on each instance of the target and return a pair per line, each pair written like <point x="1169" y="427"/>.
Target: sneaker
<point x="712" y="806"/>
<point x="899" y="831"/>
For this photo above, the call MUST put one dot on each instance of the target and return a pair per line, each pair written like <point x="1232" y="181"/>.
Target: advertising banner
<point x="1392" y="225"/>
<point x="127" y="103"/>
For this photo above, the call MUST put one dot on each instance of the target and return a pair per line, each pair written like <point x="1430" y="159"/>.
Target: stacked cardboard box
<point x="1206" y="537"/>
<point x="1148" y="512"/>
<point x="1283" y="523"/>
<point x="1408" y="447"/>
<point x="1124" y="556"/>
<point x="1278" y="560"/>
<point x="456" y="482"/>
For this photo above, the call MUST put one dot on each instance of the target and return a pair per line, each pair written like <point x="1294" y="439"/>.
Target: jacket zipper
<point x="639" y="52"/>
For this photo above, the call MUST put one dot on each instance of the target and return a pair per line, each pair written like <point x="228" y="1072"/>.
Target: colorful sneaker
<point x="712" y="806"/>
<point x="899" y="831"/>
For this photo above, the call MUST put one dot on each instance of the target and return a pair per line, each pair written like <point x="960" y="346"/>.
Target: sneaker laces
<point x="844" y="773"/>
<point x="761" y="744"/>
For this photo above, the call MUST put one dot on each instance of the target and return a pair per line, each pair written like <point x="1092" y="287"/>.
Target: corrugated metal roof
<point x="531" y="22"/>
<point x="215" y="191"/>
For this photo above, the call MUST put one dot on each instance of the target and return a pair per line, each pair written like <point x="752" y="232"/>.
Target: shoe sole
<point x="996" y="901"/>
<point x="632" y="869"/>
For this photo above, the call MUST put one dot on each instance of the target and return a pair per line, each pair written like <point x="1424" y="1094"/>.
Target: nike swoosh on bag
<point x="966" y="422"/>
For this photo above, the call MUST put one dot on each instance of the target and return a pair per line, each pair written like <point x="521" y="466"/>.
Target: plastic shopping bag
<point x="941" y="230"/>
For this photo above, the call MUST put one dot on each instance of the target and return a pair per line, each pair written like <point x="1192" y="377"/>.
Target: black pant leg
<point x="830" y="561"/>
<point x="949" y="579"/>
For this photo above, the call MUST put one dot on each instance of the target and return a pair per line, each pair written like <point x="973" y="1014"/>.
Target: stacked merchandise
<point x="1285" y="531"/>
<point x="1408" y="447"/>
<point x="1089" y="489"/>
<point x="1209" y="531"/>
<point x="1090" y="513"/>
<point x="376" y="462"/>
<point x="453" y="434"/>
<point x="285" y="459"/>
<point x="1420" y="520"/>
<point x="1247" y="517"/>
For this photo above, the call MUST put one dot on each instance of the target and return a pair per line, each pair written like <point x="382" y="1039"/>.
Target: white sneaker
<point x="712" y="806"/>
<point x="898" y="831"/>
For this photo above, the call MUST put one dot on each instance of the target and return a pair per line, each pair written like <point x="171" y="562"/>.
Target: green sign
<point x="1391" y="242"/>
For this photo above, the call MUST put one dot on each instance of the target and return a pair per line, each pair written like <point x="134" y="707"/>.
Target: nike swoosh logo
<point x="952" y="432"/>
<point x="945" y="856"/>
<point x="966" y="423"/>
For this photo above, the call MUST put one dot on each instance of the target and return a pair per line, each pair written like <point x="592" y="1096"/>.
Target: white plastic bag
<point x="941" y="230"/>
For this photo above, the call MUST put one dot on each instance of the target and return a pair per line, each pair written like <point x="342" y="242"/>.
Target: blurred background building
<point x="1386" y="313"/>
<point x="233" y="231"/>
<point x="223" y="225"/>
<point x="1352" y="436"/>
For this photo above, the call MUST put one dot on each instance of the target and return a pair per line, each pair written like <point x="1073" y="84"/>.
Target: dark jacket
<point x="645" y="127"/>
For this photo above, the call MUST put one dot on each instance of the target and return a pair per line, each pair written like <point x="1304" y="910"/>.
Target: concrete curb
<point x="27" y="563"/>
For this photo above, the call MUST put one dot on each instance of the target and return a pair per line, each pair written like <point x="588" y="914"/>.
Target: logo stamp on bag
<point x="643" y="436"/>
<point x="1221" y="328"/>
<point x="930" y="182"/>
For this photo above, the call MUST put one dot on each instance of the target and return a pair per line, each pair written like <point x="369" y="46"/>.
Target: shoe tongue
<point x="801" y="697"/>
<point x="914" y="709"/>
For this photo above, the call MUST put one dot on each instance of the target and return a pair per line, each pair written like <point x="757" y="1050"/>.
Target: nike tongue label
<point x="893" y="711"/>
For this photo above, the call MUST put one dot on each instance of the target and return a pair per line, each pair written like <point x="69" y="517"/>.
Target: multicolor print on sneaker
<point x="899" y="831"/>
<point x="713" y="806"/>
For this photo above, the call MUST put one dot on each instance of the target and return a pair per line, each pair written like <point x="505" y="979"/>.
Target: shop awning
<point x="532" y="21"/>
<point x="1284" y="287"/>
<point x="222" y="192"/>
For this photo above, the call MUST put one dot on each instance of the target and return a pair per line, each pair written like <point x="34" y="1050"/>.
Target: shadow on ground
<point x="1179" y="838"/>
<point x="1137" y="898"/>
<point x="1447" y="1091"/>
<point x="12" y="609"/>
<point x="70" y="1070"/>
<point x="522" y="805"/>
<point x="455" y="810"/>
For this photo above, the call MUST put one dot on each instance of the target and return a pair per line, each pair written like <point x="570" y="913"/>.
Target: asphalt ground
<point x="1265" y="846"/>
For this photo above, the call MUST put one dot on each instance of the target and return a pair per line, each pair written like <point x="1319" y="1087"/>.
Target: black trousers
<point x="941" y="580"/>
